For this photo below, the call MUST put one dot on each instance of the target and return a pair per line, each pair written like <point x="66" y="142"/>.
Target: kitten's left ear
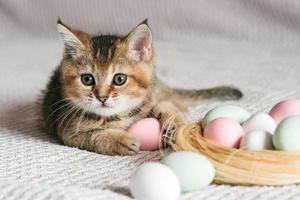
<point x="73" y="40"/>
<point x="139" y="42"/>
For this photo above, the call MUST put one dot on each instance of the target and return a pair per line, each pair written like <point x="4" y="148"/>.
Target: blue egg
<point x="193" y="170"/>
<point x="236" y="113"/>
<point x="287" y="134"/>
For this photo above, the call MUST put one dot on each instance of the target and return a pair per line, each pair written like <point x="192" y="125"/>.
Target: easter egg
<point x="224" y="132"/>
<point x="260" y="121"/>
<point x="152" y="181"/>
<point x="257" y="140"/>
<point x="285" y="109"/>
<point x="287" y="134"/>
<point x="193" y="170"/>
<point x="147" y="132"/>
<point x="233" y="112"/>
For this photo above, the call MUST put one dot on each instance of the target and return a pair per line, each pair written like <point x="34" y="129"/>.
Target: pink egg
<point x="147" y="132"/>
<point x="224" y="132"/>
<point x="285" y="109"/>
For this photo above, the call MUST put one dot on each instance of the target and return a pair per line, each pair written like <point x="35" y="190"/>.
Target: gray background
<point x="250" y="44"/>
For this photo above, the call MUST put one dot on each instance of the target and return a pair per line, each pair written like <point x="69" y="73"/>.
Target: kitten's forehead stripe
<point x="98" y="54"/>
<point x="104" y="47"/>
<point x="109" y="75"/>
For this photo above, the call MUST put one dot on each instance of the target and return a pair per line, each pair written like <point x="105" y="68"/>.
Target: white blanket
<point x="253" y="45"/>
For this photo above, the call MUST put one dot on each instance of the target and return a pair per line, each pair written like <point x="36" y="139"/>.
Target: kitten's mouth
<point x="104" y="106"/>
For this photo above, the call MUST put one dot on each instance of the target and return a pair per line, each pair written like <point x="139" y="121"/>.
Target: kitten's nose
<point x="102" y="99"/>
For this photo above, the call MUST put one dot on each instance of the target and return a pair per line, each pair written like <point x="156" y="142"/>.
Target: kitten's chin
<point x="111" y="110"/>
<point x="106" y="111"/>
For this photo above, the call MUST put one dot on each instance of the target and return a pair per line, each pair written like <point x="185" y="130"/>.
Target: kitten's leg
<point x="109" y="141"/>
<point x="170" y="117"/>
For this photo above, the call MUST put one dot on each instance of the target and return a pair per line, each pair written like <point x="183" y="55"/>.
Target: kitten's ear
<point x="73" y="43"/>
<point x="139" y="42"/>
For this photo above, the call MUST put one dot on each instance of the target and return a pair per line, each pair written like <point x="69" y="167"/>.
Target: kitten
<point x="104" y="84"/>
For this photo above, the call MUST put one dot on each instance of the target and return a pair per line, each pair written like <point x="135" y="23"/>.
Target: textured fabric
<point x="250" y="44"/>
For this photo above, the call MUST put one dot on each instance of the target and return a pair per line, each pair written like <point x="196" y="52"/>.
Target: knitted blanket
<point x="253" y="45"/>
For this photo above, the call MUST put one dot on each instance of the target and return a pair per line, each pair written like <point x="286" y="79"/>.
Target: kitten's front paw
<point x="126" y="145"/>
<point x="170" y="124"/>
<point x="171" y="120"/>
<point x="115" y="143"/>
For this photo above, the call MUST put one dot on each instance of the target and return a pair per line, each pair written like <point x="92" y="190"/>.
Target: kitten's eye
<point x="119" y="79"/>
<point x="87" y="79"/>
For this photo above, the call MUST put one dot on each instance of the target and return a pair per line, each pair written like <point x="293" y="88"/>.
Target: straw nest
<point x="238" y="166"/>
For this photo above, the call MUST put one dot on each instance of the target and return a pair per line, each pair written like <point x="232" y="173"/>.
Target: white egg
<point x="257" y="140"/>
<point x="152" y="181"/>
<point x="260" y="121"/>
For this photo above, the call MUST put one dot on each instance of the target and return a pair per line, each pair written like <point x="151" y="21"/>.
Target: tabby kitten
<point x="104" y="84"/>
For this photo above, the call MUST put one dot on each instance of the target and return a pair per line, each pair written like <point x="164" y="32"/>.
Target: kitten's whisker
<point x="74" y="114"/>
<point x="65" y="99"/>
<point x="65" y="105"/>
<point x="80" y="119"/>
<point x="70" y="112"/>
<point x="61" y="116"/>
<point x="56" y="88"/>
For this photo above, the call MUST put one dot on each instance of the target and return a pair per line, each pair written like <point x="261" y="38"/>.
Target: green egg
<point x="193" y="170"/>
<point x="233" y="112"/>
<point x="287" y="134"/>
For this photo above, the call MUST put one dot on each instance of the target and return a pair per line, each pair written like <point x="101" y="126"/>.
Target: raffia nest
<point x="238" y="166"/>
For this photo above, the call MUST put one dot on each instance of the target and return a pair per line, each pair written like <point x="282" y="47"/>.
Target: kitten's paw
<point x="170" y="124"/>
<point x="115" y="143"/>
<point x="125" y="145"/>
<point x="171" y="120"/>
